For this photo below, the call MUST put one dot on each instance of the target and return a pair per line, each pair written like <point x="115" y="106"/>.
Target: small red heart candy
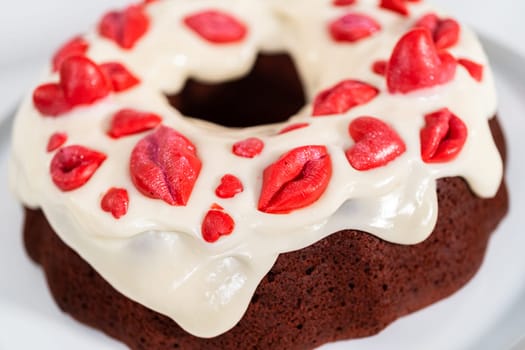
<point x="216" y="224"/>
<point x="376" y="144"/>
<point x="416" y="64"/>
<point x="248" y="148"/>
<point x="229" y="187"/>
<point x="116" y="202"/>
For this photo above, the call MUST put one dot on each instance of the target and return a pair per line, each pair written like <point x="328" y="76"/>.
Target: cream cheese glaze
<point x="155" y="254"/>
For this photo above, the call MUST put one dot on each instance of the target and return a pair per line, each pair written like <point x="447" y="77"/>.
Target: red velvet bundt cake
<point x="260" y="174"/>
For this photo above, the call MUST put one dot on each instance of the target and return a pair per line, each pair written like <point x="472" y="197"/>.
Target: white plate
<point x="489" y="313"/>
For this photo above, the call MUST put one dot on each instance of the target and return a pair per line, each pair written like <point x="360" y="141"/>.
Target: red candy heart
<point x="164" y="165"/>
<point x="216" y="223"/>
<point x="75" y="47"/>
<point x="217" y="27"/>
<point x="442" y="137"/>
<point x="124" y="27"/>
<point x="73" y="166"/>
<point x="82" y="81"/>
<point x="50" y="101"/>
<point x="445" y="32"/>
<point x="376" y="144"/>
<point x="248" y="148"/>
<point x="343" y="2"/>
<point x="56" y="141"/>
<point x="120" y="77"/>
<point x="293" y="127"/>
<point x="416" y="64"/>
<point x="353" y="27"/>
<point x="129" y="121"/>
<point x="342" y="97"/>
<point x="296" y="180"/>
<point x="474" y="69"/>
<point x="116" y="202"/>
<point x="229" y="187"/>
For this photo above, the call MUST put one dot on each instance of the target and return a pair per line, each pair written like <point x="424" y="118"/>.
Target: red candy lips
<point x="342" y="97"/>
<point x="129" y="122"/>
<point x="73" y="166"/>
<point x="164" y="165"/>
<point x="296" y="180"/>
<point x="217" y="27"/>
<point x="353" y="27"/>
<point x="442" y="137"/>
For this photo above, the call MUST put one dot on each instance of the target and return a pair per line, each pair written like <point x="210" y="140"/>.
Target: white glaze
<point x="155" y="254"/>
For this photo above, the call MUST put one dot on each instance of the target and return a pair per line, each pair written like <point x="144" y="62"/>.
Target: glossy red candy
<point x="293" y="127"/>
<point x="73" y="166"/>
<point x="445" y="32"/>
<point x="342" y="97"/>
<point x="398" y="6"/>
<point x="248" y="148"/>
<point x="119" y="76"/>
<point x="474" y="69"/>
<point x="216" y="26"/>
<point x="230" y="186"/>
<point x="353" y="27"/>
<point x="376" y="144"/>
<point x="216" y="224"/>
<point x="125" y="27"/>
<point x="56" y="141"/>
<point x="50" y="101"/>
<point x="443" y="136"/>
<point x="129" y="121"/>
<point x="380" y="67"/>
<point x="82" y="81"/>
<point x="116" y="202"/>
<point x="296" y="180"/>
<point x="164" y="165"/>
<point x="416" y="64"/>
<point x="74" y="47"/>
<point x="343" y="2"/>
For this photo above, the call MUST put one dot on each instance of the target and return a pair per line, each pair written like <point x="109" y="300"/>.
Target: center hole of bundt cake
<point x="271" y="92"/>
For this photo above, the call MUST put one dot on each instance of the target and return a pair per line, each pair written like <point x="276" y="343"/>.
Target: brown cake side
<point x="348" y="285"/>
